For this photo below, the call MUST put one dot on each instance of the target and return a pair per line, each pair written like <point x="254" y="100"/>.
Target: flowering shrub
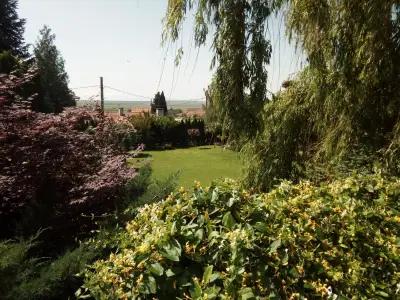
<point x="338" y="240"/>
<point x="194" y="135"/>
<point x="53" y="166"/>
<point x="193" y="132"/>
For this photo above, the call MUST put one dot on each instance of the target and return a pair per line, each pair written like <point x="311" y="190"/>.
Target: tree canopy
<point x="54" y="93"/>
<point x="353" y="50"/>
<point x="346" y="98"/>
<point x="159" y="102"/>
<point x="241" y="53"/>
<point x="12" y="29"/>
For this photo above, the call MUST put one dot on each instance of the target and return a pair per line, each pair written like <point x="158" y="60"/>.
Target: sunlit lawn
<point x="204" y="164"/>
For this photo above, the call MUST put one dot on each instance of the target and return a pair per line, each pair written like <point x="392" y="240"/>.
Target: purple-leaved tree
<point x="53" y="169"/>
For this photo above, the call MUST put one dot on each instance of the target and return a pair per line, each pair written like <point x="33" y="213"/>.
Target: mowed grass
<point x="204" y="164"/>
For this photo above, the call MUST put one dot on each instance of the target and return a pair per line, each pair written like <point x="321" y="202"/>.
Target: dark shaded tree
<point x="8" y="62"/>
<point x="159" y="102"/>
<point x="53" y="91"/>
<point x="12" y="29"/>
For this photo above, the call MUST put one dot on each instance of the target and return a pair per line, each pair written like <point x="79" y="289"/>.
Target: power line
<point x="84" y="87"/>
<point x="163" y="66"/>
<point x="127" y="93"/>
<point x="147" y="97"/>
<point x="92" y="98"/>
<point x="134" y="94"/>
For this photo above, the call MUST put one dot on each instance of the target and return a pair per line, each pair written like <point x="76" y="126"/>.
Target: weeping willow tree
<point x="241" y="53"/>
<point x="347" y="98"/>
<point x="352" y="47"/>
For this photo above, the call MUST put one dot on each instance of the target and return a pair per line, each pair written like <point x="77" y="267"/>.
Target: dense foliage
<point x="26" y="277"/>
<point x="334" y="240"/>
<point x="52" y="170"/>
<point x="333" y="236"/>
<point x="52" y="80"/>
<point x="213" y="113"/>
<point x="354" y="56"/>
<point x="51" y="84"/>
<point x="163" y="132"/>
<point x="241" y="53"/>
<point x="287" y="137"/>
<point x="8" y="62"/>
<point x="12" y="29"/>
<point x="25" y="273"/>
<point x="346" y="100"/>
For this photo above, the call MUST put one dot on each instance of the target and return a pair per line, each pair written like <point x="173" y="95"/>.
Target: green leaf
<point x="169" y="273"/>
<point x="171" y="250"/>
<point x="308" y="286"/>
<point x="215" y="276"/>
<point x="370" y="188"/>
<point x="228" y="220"/>
<point x="261" y="227"/>
<point x="195" y="291"/>
<point x="382" y="294"/>
<point x="246" y="294"/>
<point x="78" y="293"/>
<point x="275" y="245"/>
<point x="234" y="199"/>
<point x="173" y="228"/>
<point x="200" y="220"/>
<point x="212" y="235"/>
<point x="294" y="273"/>
<point x="156" y="269"/>
<point x="207" y="274"/>
<point x="151" y="285"/>
<point x="199" y="235"/>
<point x="285" y="260"/>
<point x="212" y="292"/>
<point x="214" y="196"/>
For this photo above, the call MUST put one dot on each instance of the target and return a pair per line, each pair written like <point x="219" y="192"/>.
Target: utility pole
<point x="101" y="95"/>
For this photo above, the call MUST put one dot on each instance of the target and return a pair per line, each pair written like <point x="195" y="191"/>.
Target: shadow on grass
<point x="142" y="155"/>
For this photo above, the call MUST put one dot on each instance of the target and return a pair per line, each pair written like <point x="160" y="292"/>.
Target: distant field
<point x="205" y="164"/>
<point x="111" y="106"/>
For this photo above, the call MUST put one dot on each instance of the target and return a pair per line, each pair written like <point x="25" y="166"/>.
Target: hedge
<point x="337" y="240"/>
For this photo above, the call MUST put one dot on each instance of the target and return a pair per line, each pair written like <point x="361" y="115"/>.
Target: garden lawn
<point x="204" y="164"/>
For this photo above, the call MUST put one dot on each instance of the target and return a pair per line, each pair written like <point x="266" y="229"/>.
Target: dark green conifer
<point x="53" y="90"/>
<point x="12" y="29"/>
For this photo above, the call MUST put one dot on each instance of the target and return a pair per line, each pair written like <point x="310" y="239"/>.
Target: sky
<point x="120" y="40"/>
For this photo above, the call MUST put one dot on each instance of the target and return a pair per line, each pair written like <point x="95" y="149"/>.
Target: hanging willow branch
<point x="346" y="100"/>
<point x="241" y="53"/>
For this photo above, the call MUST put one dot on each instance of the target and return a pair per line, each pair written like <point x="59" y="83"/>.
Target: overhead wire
<point x="173" y="73"/>
<point x="84" y="87"/>
<point x="127" y="93"/>
<point x="163" y="66"/>
<point x="148" y="97"/>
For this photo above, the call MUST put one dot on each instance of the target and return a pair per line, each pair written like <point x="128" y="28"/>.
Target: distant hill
<point x="111" y="106"/>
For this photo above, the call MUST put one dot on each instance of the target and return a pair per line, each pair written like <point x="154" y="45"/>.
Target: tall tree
<point x="346" y="101"/>
<point x="353" y="50"/>
<point x="241" y="53"/>
<point x="12" y="29"/>
<point x="54" y="93"/>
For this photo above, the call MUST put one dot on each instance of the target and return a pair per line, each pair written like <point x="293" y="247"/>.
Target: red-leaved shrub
<point x="53" y="170"/>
